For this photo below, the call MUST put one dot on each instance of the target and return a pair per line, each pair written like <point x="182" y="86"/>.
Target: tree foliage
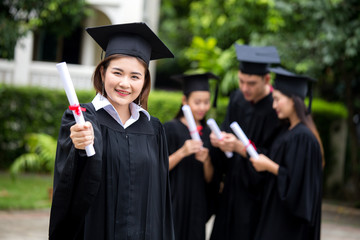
<point x="17" y="17"/>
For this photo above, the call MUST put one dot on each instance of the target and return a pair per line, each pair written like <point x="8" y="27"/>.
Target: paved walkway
<point x="338" y="223"/>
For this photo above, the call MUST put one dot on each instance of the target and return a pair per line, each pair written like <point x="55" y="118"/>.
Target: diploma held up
<point x="241" y="135"/>
<point x="73" y="100"/>
<point x="216" y="130"/>
<point x="191" y="122"/>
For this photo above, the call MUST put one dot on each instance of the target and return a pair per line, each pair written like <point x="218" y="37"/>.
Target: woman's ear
<point x="102" y="73"/>
<point x="184" y="100"/>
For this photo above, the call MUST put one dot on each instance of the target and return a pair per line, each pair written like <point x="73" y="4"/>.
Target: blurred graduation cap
<point x="133" y="39"/>
<point x="292" y="84"/>
<point x="256" y="60"/>
<point x="197" y="82"/>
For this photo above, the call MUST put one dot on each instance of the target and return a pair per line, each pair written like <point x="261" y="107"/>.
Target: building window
<point x="51" y="48"/>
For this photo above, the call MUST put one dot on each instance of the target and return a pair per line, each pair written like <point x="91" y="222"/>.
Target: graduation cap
<point x="133" y="39"/>
<point x="256" y="60"/>
<point x="197" y="82"/>
<point x="292" y="84"/>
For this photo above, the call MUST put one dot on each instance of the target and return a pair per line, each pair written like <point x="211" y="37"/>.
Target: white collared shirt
<point x="102" y="102"/>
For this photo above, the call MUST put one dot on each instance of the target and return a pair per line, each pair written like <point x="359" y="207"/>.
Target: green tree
<point x="227" y="21"/>
<point x="207" y="56"/>
<point x="231" y="20"/>
<point x="17" y="17"/>
<point x="217" y="25"/>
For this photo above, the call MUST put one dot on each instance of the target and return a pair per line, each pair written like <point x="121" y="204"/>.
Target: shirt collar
<point x="102" y="102"/>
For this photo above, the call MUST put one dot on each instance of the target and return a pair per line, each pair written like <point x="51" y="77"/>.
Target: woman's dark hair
<point x="180" y="113"/>
<point x="307" y="120"/>
<point x="104" y="64"/>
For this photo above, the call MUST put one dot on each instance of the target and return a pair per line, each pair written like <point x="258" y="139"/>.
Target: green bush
<point x="29" y="110"/>
<point x="165" y="105"/>
<point x="34" y="110"/>
<point x="325" y="114"/>
<point x="40" y="156"/>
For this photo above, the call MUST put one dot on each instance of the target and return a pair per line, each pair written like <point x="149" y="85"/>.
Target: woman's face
<point x="199" y="102"/>
<point x="123" y="81"/>
<point x="283" y="105"/>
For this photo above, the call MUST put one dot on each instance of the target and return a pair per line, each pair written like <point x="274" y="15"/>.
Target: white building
<point x="31" y="66"/>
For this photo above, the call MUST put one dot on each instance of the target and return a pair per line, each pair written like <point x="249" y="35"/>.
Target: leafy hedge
<point x="29" y="110"/>
<point x="35" y="110"/>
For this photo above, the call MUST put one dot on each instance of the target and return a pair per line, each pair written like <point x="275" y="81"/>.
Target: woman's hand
<point x="263" y="163"/>
<point x="214" y="140"/>
<point x="202" y="155"/>
<point x="230" y="143"/>
<point x="192" y="146"/>
<point x="82" y="135"/>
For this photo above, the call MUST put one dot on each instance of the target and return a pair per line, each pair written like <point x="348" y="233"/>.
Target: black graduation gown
<point x="238" y="209"/>
<point x="122" y="192"/>
<point x="292" y="200"/>
<point x="188" y="186"/>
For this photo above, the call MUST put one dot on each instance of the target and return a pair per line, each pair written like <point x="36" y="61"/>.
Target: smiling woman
<point x="123" y="80"/>
<point x="122" y="192"/>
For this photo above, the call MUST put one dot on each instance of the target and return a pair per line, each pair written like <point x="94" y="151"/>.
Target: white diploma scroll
<point x="73" y="100"/>
<point x="191" y="122"/>
<point x="241" y="135"/>
<point x="215" y="128"/>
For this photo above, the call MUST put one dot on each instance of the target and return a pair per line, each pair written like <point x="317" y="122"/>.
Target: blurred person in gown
<point x="240" y="185"/>
<point x="291" y="208"/>
<point x="190" y="164"/>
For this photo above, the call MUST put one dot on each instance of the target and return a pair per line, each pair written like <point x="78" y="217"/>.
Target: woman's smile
<point x="122" y="92"/>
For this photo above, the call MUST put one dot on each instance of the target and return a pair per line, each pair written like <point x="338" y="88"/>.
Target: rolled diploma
<point x="73" y="100"/>
<point x="241" y="135"/>
<point x="215" y="128"/>
<point x="191" y="122"/>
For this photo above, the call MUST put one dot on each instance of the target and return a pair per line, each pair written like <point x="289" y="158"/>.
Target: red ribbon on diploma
<point x="250" y="143"/>
<point x="77" y="108"/>
<point x="198" y="129"/>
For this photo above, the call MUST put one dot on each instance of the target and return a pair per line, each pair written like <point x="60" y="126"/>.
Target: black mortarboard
<point x="197" y="82"/>
<point x="256" y="60"/>
<point x="292" y="84"/>
<point x="134" y="39"/>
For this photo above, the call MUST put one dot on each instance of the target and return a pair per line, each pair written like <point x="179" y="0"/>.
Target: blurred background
<point x="319" y="38"/>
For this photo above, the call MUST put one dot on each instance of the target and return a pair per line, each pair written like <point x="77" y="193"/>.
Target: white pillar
<point x="151" y="17"/>
<point x="23" y="59"/>
<point x="88" y="45"/>
<point x="130" y="11"/>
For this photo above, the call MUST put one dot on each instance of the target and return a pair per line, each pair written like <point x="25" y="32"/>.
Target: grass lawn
<point x="27" y="191"/>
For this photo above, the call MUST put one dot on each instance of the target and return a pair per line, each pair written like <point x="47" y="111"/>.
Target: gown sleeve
<point x="299" y="177"/>
<point x="172" y="139"/>
<point x="76" y="179"/>
<point x="167" y="220"/>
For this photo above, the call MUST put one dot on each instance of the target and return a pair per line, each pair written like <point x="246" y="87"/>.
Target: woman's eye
<point x="135" y="77"/>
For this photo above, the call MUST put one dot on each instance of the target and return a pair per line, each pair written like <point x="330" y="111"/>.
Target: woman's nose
<point x="124" y="82"/>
